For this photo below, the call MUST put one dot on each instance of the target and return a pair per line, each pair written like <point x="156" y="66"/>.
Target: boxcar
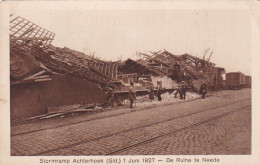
<point x="248" y="81"/>
<point x="243" y="80"/>
<point x="235" y="80"/>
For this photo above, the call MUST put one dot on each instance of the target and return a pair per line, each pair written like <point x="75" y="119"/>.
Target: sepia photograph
<point x="137" y="79"/>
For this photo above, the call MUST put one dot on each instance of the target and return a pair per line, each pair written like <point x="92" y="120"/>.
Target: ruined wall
<point x="33" y="99"/>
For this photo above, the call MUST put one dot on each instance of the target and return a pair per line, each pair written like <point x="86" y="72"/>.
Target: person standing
<point x="184" y="89"/>
<point x="203" y="89"/>
<point x="159" y="90"/>
<point x="132" y="94"/>
<point x="151" y="93"/>
<point x="179" y="90"/>
<point x="109" y="95"/>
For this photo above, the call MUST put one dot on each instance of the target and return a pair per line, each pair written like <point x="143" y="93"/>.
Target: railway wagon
<point x="243" y="79"/>
<point x="216" y="80"/>
<point x="248" y="80"/>
<point x="235" y="80"/>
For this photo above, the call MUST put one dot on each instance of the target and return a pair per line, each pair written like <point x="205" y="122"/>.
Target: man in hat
<point x="132" y="94"/>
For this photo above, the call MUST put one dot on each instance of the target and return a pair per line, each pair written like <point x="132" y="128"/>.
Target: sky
<point x="115" y="34"/>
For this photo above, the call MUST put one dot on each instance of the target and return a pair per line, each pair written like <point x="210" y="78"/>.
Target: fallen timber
<point x="30" y="42"/>
<point x="193" y="66"/>
<point x="28" y="38"/>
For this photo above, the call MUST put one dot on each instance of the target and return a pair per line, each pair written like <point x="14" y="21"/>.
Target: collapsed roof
<point x="163" y="63"/>
<point x="31" y="50"/>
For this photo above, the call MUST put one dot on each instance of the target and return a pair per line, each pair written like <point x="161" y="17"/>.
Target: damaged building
<point x="176" y="67"/>
<point x="46" y="79"/>
<point x="43" y="76"/>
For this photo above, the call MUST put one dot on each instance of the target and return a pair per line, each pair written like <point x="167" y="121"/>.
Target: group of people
<point x="158" y="91"/>
<point x="183" y="86"/>
<point x="182" y="89"/>
<point x="132" y="93"/>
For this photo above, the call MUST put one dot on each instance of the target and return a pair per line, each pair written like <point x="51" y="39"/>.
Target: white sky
<point x="112" y="33"/>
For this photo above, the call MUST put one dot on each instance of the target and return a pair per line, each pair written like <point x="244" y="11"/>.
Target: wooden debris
<point x="58" y="109"/>
<point x="53" y="115"/>
<point x="23" y="31"/>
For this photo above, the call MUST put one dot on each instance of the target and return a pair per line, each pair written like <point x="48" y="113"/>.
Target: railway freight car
<point x="248" y="81"/>
<point x="216" y="78"/>
<point x="235" y="80"/>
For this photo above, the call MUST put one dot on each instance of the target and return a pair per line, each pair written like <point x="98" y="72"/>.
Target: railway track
<point x="97" y="118"/>
<point x="116" y="152"/>
<point x="147" y="125"/>
<point x="88" y="120"/>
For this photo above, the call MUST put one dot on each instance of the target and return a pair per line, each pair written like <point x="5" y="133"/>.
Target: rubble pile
<point x="166" y="98"/>
<point x="34" y="59"/>
<point x="167" y="82"/>
<point x="179" y="67"/>
<point x="171" y="69"/>
<point x="28" y="38"/>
